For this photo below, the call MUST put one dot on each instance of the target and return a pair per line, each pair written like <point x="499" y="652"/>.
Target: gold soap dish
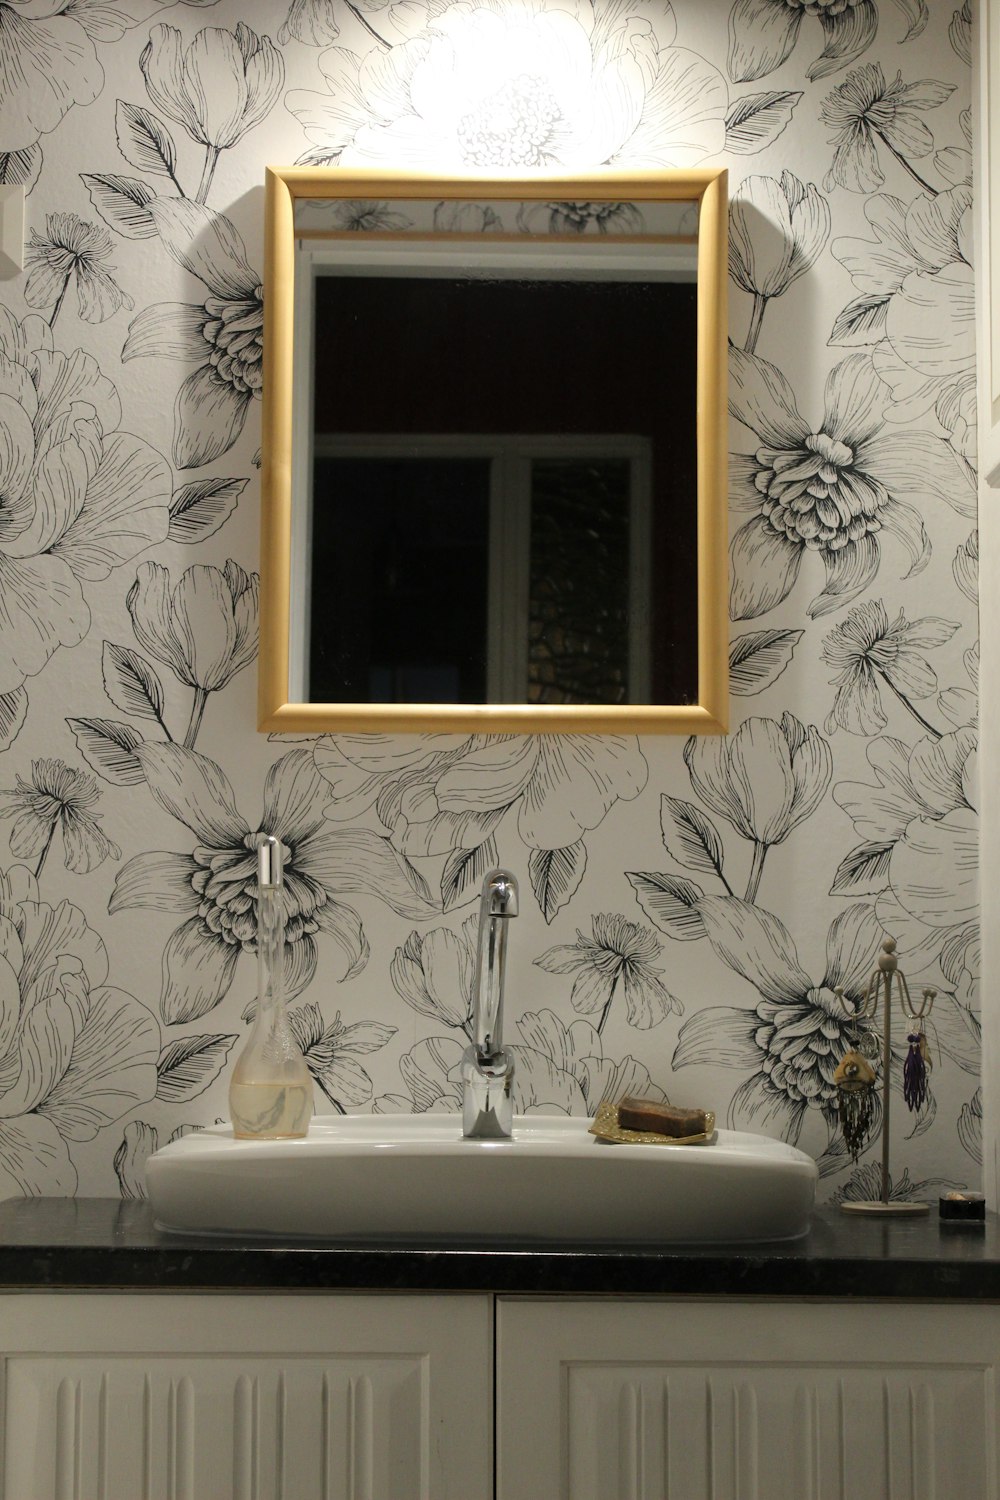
<point x="607" y="1128"/>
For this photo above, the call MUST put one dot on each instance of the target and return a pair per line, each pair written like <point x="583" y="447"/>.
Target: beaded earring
<point x="917" y="1063"/>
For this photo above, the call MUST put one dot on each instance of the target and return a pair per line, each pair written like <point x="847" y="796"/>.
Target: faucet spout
<point x="487" y="1066"/>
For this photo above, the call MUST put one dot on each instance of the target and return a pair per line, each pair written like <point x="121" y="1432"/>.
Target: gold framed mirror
<point x="494" y="453"/>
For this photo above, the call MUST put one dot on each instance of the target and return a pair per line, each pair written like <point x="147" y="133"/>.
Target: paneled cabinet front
<point x="729" y="1400"/>
<point x="177" y="1397"/>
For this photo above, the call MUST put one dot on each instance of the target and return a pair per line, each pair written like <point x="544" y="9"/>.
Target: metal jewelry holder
<point x="887" y="973"/>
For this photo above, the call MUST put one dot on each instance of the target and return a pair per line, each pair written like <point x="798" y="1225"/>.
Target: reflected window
<point x="539" y="546"/>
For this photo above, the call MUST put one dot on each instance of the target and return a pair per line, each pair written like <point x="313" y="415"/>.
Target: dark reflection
<point x="592" y="598"/>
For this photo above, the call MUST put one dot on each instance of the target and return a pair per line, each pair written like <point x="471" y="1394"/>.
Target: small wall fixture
<point x="11" y="231"/>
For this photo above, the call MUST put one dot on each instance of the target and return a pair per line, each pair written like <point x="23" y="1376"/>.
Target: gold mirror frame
<point x="284" y="185"/>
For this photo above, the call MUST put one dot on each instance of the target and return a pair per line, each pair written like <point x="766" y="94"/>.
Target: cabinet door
<point x="724" y="1400"/>
<point x="213" y="1397"/>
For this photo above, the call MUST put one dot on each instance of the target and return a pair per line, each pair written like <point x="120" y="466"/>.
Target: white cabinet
<point x="337" y="1397"/>
<point x="730" y="1400"/>
<point x="176" y="1397"/>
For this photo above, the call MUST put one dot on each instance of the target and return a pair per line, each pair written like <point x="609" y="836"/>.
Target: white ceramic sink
<point x="413" y="1177"/>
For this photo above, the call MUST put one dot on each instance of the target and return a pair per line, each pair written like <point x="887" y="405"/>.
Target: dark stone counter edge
<point x="109" y="1245"/>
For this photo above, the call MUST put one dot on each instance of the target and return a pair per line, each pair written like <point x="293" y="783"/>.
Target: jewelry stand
<point x="888" y="971"/>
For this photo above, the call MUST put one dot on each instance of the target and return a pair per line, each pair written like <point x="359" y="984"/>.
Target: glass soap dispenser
<point x="270" y="1092"/>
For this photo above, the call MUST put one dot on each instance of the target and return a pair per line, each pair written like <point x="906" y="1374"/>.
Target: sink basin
<point x="413" y="1177"/>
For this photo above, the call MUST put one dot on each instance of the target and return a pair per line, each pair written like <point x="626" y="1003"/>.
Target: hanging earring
<point x="917" y="1063"/>
<point x="855" y="1084"/>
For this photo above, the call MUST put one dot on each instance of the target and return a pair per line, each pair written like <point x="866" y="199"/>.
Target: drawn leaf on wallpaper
<point x="109" y="749"/>
<point x="21" y="168"/>
<point x="863" y="872"/>
<point x="144" y="141"/>
<point x="122" y="202"/>
<point x="200" y="509"/>
<point x="690" y="837"/>
<point x="464" y="870"/>
<point x="925" y="1118"/>
<point x="131" y="683"/>
<point x="555" y="876"/>
<point x="13" y="708"/>
<point x="757" y="659"/>
<point x="861" y="322"/>
<point x="670" y="902"/>
<point x="757" y="120"/>
<point x="185" y="1068"/>
<point x="916" y="13"/>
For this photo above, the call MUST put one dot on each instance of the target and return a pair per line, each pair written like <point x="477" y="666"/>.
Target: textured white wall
<point x="702" y="906"/>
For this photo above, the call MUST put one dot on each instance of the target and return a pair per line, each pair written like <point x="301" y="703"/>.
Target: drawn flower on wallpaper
<point x="215" y="887"/>
<point x="833" y="490"/>
<point x="331" y="1052"/>
<point x="777" y="229"/>
<point x="558" y="1069"/>
<point x="917" y="307"/>
<point x="865" y="1186"/>
<point x="520" y="83"/>
<point x="920" y="829"/>
<point x="434" y="794"/>
<point x="866" y="650"/>
<point x="205" y="628"/>
<point x="57" y="797"/>
<point x="960" y="33"/>
<point x="762" y="34"/>
<point x="765" y="780"/>
<point x="223" y="336"/>
<point x="356" y="215"/>
<point x="314" y="22"/>
<point x="792" y="1040"/>
<point x="72" y="250"/>
<point x="75" y="1054"/>
<point x="48" y="63"/>
<point x="863" y="111"/>
<point x="79" y="497"/>
<point x="219" y="87"/>
<point x="580" y="218"/>
<point x="618" y="952"/>
<point x="434" y="973"/>
<point x="965" y="567"/>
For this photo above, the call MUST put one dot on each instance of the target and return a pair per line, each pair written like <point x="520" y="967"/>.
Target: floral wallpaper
<point x="688" y="910"/>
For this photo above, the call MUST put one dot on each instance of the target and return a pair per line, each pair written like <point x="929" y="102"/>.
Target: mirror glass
<point x="495" y="496"/>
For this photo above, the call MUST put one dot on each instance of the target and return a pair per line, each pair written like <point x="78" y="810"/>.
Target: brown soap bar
<point x="662" y="1119"/>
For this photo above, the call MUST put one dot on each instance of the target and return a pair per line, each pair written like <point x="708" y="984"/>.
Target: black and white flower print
<point x="762" y="34"/>
<point x="919" y="824"/>
<point x="75" y="1053"/>
<point x="868" y="652"/>
<point x="218" y="87"/>
<point x="440" y="794"/>
<point x="917" y="308"/>
<point x="80" y="496"/>
<point x="685" y="890"/>
<point x="599" y="88"/>
<point x="73" y="251"/>
<point x="222" y="336"/>
<point x="618" y="952"/>
<point x="214" y="888"/>
<point x="204" y="628"/>
<point x="834" y="489"/>
<point x="865" y="113"/>
<point x="777" y="229"/>
<point x="57" y="798"/>
<point x="791" y="1040"/>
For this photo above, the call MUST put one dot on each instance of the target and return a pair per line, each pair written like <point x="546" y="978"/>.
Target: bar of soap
<point x="660" y="1119"/>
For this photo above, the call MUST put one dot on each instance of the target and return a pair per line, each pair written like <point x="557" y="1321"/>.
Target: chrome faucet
<point x="487" y="1066"/>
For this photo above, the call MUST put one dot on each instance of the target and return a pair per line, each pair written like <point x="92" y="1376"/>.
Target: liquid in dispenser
<point x="270" y="1092"/>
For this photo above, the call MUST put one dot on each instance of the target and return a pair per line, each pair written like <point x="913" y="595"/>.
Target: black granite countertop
<point x="105" y="1244"/>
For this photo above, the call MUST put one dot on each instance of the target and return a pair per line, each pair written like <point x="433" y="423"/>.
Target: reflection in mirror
<point x="497" y="494"/>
